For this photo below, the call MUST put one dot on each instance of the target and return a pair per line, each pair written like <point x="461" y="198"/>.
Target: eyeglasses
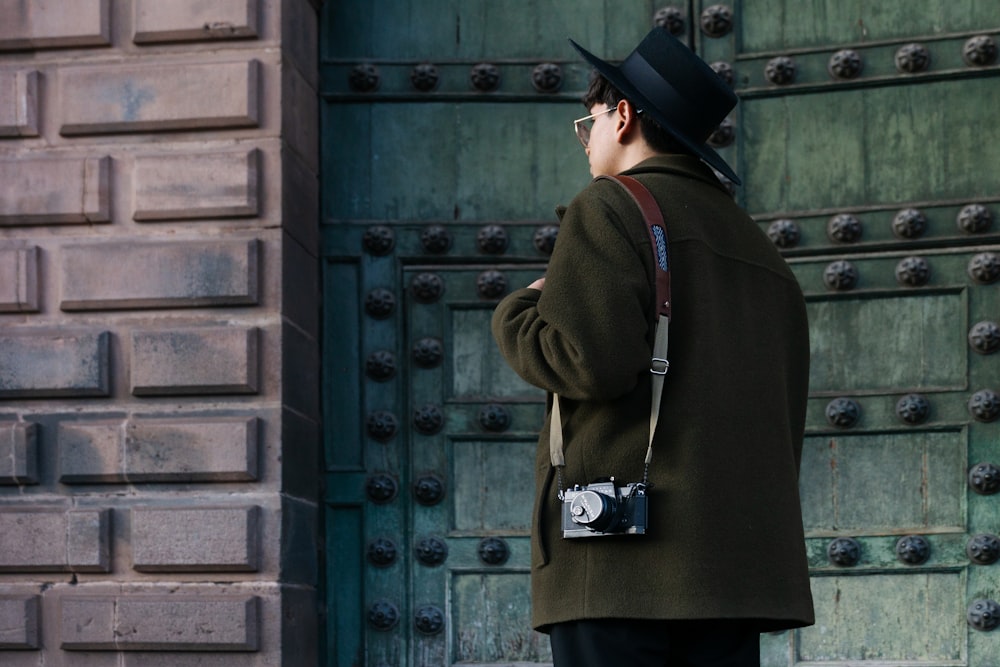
<point x="583" y="125"/>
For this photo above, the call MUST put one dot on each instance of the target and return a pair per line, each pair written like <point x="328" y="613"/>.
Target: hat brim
<point x="613" y="74"/>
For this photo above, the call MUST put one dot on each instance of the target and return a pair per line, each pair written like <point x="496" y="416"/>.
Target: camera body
<point x="603" y="509"/>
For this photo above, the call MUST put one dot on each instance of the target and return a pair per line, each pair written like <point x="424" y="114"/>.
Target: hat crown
<point x="668" y="80"/>
<point x="687" y="90"/>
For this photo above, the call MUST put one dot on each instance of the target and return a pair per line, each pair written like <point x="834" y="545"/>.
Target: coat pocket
<point x="540" y="517"/>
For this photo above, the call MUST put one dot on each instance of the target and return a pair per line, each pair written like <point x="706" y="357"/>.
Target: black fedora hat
<point x="667" y="80"/>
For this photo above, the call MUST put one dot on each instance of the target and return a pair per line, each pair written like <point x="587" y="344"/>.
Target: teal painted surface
<point x="462" y="159"/>
<point x="448" y="162"/>
<point x="884" y="146"/>
<point x="341" y="375"/>
<point x="480" y="30"/>
<point x="889" y="343"/>
<point x="884" y="483"/>
<point x="769" y="25"/>
<point x="902" y="618"/>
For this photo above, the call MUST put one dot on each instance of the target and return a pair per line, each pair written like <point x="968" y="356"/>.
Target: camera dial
<point x="593" y="510"/>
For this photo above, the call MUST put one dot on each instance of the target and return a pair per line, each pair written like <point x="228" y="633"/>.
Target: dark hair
<point x="661" y="141"/>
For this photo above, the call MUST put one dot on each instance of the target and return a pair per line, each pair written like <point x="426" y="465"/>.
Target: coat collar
<point x="681" y="165"/>
<point x="687" y="166"/>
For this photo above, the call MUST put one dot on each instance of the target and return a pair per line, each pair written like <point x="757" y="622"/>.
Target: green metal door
<point x="866" y="141"/>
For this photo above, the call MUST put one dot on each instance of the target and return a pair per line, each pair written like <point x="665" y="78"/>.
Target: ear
<point x="627" y="119"/>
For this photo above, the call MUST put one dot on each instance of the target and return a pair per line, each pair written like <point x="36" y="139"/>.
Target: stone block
<point x="194" y="20"/>
<point x="130" y="98"/>
<point x="40" y="191"/>
<point x="19" y="622"/>
<point x="55" y="540"/>
<point x="184" y="187"/>
<point x="87" y="622"/>
<point x="18" y="103"/>
<point x="201" y="449"/>
<point x="18" y="453"/>
<point x="180" y="622"/>
<point x="210" y="360"/>
<point x="19" y="280"/>
<point x="52" y="365"/>
<point x="174" y="274"/>
<point x="39" y="24"/>
<point x="91" y="451"/>
<point x="195" y="539"/>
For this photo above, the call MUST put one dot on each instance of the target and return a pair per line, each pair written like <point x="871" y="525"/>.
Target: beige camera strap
<point x="659" y="365"/>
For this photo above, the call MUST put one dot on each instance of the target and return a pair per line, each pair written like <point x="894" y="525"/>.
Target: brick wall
<point x="158" y="333"/>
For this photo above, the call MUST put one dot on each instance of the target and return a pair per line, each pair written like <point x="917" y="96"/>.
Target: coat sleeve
<point x="585" y="335"/>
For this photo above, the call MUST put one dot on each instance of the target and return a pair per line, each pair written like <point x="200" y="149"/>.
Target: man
<point x="723" y="556"/>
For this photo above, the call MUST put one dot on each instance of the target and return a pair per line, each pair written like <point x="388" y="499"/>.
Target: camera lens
<point x="593" y="510"/>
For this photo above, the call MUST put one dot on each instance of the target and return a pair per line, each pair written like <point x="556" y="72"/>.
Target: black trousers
<point x="640" y="643"/>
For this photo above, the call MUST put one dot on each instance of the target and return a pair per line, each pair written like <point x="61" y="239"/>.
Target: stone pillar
<point x="159" y="320"/>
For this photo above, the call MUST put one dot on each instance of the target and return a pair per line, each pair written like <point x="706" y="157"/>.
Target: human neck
<point x="634" y="153"/>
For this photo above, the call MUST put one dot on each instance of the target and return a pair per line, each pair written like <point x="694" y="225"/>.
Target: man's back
<point x="725" y="539"/>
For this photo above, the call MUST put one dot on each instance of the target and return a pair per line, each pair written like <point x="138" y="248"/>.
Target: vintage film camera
<point x="602" y="509"/>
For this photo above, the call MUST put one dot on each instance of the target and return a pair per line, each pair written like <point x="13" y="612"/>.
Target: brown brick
<point x="18" y="453"/>
<point x="174" y="274"/>
<point x="50" y="365"/>
<point x="158" y="97"/>
<point x="195" y="539"/>
<point x="194" y="20"/>
<point x="54" y="190"/>
<point x="18" y="103"/>
<point x="202" y="449"/>
<point x="19" y="621"/>
<point x="19" y="280"/>
<point x="31" y="24"/>
<point x="208" y="185"/>
<point x="179" y="622"/>
<point x="55" y="540"/>
<point x="210" y="360"/>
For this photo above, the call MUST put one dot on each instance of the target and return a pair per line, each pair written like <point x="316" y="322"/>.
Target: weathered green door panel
<point x="477" y="368"/>
<point x="895" y="465"/>
<point x="879" y="335"/>
<point x="888" y="343"/>
<point x="887" y="483"/>
<point x="493" y="30"/>
<point x="437" y="161"/>
<point x="854" y="611"/>
<point x="863" y="147"/>
<point x="494" y="482"/>
<point x="458" y="460"/>
<point x="491" y="614"/>
<point x="483" y="453"/>
<point x="342" y="376"/>
<point x="782" y="25"/>
<point x="346" y="629"/>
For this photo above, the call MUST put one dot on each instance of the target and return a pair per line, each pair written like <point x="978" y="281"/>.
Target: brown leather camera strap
<point x="653" y="217"/>
<point x="659" y="365"/>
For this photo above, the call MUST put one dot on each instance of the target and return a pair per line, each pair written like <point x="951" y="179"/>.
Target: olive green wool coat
<point x="725" y="539"/>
